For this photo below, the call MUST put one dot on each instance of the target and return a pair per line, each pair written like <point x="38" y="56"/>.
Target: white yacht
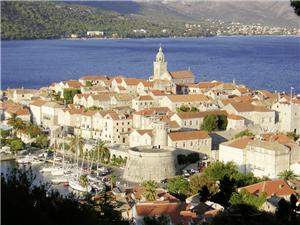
<point x="75" y="184"/>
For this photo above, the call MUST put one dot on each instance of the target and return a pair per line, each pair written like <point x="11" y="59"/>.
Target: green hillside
<point x="46" y="20"/>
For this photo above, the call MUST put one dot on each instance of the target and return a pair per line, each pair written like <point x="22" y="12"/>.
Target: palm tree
<point x="150" y="190"/>
<point x="287" y="175"/>
<point x="101" y="149"/>
<point x="112" y="180"/>
<point x="18" y="124"/>
<point x="83" y="180"/>
<point x="76" y="144"/>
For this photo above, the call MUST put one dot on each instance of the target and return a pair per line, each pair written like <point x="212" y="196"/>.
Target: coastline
<point x="149" y="38"/>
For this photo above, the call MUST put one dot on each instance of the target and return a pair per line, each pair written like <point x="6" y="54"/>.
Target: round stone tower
<point x="146" y="163"/>
<point x="160" y="134"/>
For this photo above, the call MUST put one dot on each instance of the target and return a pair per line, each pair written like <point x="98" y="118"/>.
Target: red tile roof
<point x="38" y="102"/>
<point x="188" y="98"/>
<point x="240" y="143"/>
<point x="72" y="83"/>
<point x="94" y="77"/>
<point x="272" y="187"/>
<point x="154" y="110"/>
<point x="158" y="208"/>
<point x="248" y="107"/>
<point x="146" y="131"/>
<point x="188" y="135"/>
<point x="234" y="117"/>
<point x="145" y="98"/>
<point x="182" y="74"/>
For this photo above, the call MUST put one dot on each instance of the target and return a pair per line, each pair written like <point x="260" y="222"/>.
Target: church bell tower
<point x="159" y="65"/>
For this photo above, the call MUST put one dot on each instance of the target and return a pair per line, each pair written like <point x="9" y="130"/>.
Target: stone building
<point x="288" y="115"/>
<point x="264" y="157"/>
<point x="176" y="101"/>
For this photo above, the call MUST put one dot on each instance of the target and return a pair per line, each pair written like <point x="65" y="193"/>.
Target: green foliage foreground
<point x="25" y="202"/>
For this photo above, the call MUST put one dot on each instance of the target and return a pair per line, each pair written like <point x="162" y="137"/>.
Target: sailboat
<point x="60" y="171"/>
<point x="74" y="182"/>
<point x="53" y="168"/>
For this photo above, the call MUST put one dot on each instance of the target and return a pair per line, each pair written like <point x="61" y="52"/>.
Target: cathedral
<point x="160" y="71"/>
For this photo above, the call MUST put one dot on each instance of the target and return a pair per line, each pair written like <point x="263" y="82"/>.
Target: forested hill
<point x="45" y="20"/>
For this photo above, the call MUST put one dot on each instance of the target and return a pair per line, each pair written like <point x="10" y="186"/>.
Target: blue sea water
<point x="261" y="62"/>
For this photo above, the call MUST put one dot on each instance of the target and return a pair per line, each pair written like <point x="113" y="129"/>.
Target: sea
<point x="260" y="62"/>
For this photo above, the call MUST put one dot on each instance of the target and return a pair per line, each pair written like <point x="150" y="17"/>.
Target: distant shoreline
<point x="176" y="37"/>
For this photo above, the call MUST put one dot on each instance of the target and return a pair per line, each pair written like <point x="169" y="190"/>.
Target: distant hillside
<point x="133" y="19"/>
<point x="31" y="20"/>
<point x="272" y="13"/>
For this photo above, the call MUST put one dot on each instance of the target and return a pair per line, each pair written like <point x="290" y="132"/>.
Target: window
<point x="191" y="122"/>
<point x="117" y="124"/>
<point x="191" y="143"/>
<point x="183" y="144"/>
<point x="128" y="123"/>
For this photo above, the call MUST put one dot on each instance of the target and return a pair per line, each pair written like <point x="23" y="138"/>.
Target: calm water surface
<point x="260" y="62"/>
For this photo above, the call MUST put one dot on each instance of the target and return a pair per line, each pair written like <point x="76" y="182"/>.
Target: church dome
<point x="160" y="57"/>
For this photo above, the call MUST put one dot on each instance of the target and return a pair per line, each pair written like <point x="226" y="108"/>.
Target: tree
<point x="33" y="130"/>
<point x="244" y="197"/>
<point x="209" y="123"/>
<point x="150" y="190"/>
<point x="293" y="135"/>
<point x="42" y="141"/>
<point x="244" y="133"/>
<point x="187" y="109"/>
<point x="222" y="122"/>
<point x="226" y="188"/>
<point x="198" y="181"/>
<point x="16" y="144"/>
<point x="101" y="150"/>
<point x="246" y="179"/>
<point x="296" y="5"/>
<point x="217" y="170"/>
<point x="37" y="204"/>
<point x="179" y="186"/>
<point x="18" y="124"/>
<point x="83" y="180"/>
<point x="76" y="144"/>
<point x="112" y="181"/>
<point x="88" y="83"/>
<point x="244" y="214"/>
<point x="69" y="94"/>
<point x="159" y="220"/>
<point x="287" y="175"/>
<point x="4" y="133"/>
<point x="214" y="122"/>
